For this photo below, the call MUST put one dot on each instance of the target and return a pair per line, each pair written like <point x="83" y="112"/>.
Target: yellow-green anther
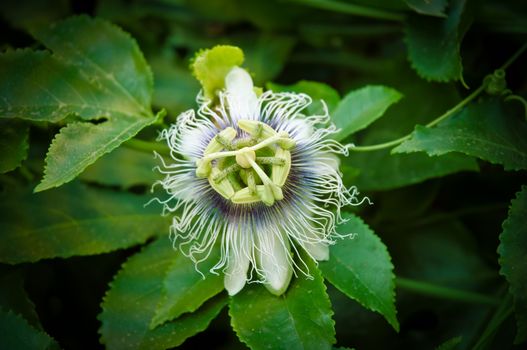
<point x="256" y="128"/>
<point x="225" y="172"/>
<point x="203" y="168"/>
<point x="224" y="187"/>
<point x="219" y="141"/>
<point x="281" y="172"/>
<point x="277" y="192"/>
<point x="266" y="194"/>
<point x="244" y="196"/>
<point x="270" y="160"/>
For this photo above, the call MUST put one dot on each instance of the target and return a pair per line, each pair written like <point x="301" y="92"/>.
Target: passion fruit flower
<point x="257" y="177"/>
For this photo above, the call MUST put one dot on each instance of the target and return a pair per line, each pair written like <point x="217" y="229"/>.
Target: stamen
<point x="270" y="160"/>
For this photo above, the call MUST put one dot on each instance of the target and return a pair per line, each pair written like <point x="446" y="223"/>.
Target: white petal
<point x="275" y="263"/>
<point x="236" y="273"/>
<point x="241" y="98"/>
<point x="319" y="251"/>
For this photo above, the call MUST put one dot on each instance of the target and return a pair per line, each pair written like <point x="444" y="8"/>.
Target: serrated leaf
<point x="361" y="107"/>
<point x="73" y="220"/>
<point x="317" y="91"/>
<point x="512" y="251"/>
<point x="124" y="167"/>
<point x="362" y="269"/>
<point x="78" y="145"/>
<point x="428" y="7"/>
<point x="20" y="335"/>
<point x="433" y="44"/>
<point x="298" y="319"/>
<point x="132" y="299"/>
<point x="211" y="67"/>
<point x="13" y="144"/>
<point x="482" y="130"/>
<point x="100" y="73"/>
<point x="184" y="289"/>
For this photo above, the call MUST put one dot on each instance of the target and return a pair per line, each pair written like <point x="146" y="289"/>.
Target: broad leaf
<point x="184" y="289"/>
<point x="317" y="91"/>
<point x="13" y="144"/>
<point x="18" y="334"/>
<point x="73" y="220"/>
<point x="433" y="44"/>
<point x="482" y="130"/>
<point x="211" y="67"/>
<point x="428" y="7"/>
<point x="512" y="251"/>
<point x="299" y="319"/>
<point x="132" y="299"/>
<point x="78" y="145"/>
<point x="362" y="269"/>
<point x="124" y="167"/>
<point x="360" y="108"/>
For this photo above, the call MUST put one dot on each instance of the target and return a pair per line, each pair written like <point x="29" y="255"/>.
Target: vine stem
<point x="433" y="290"/>
<point x="445" y="115"/>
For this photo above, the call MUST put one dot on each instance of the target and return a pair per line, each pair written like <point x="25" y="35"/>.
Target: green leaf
<point x="428" y="7"/>
<point x="266" y="56"/>
<point x="124" y="167"/>
<point x="433" y="44"/>
<point x="211" y="66"/>
<point x="482" y="130"/>
<point x="78" y="145"/>
<point x="18" y="334"/>
<point x="100" y="73"/>
<point x="317" y="91"/>
<point x="298" y="319"/>
<point x="512" y="251"/>
<point x="132" y="299"/>
<point x="185" y="290"/>
<point x="362" y="269"/>
<point x="73" y="220"/>
<point x="361" y="107"/>
<point x="13" y="144"/>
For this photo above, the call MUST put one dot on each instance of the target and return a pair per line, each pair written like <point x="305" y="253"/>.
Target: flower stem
<point x="445" y="115"/>
<point x="433" y="290"/>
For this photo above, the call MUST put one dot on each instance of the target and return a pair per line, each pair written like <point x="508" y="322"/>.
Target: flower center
<point x="248" y="169"/>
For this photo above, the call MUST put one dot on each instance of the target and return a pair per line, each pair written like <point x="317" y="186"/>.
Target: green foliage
<point x="13" y="144"/>
<point x="450" y="344"/>
<point x="211" y="66"/>
<point x="482" y="130"/>
<point x="185" y="290"/>
<point x="73" y="220"/>
<point x="362" y="269"/>
<point x="362" y="107"/>
<point x="132" y="300"/>
<point x="139" y="165"/>
<point x="317" y="91"/>
<point x="512" y="251"/>
<point x="299" y="319"/>
<point x="433" y="43"/>
<point x="17" y="333"/>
